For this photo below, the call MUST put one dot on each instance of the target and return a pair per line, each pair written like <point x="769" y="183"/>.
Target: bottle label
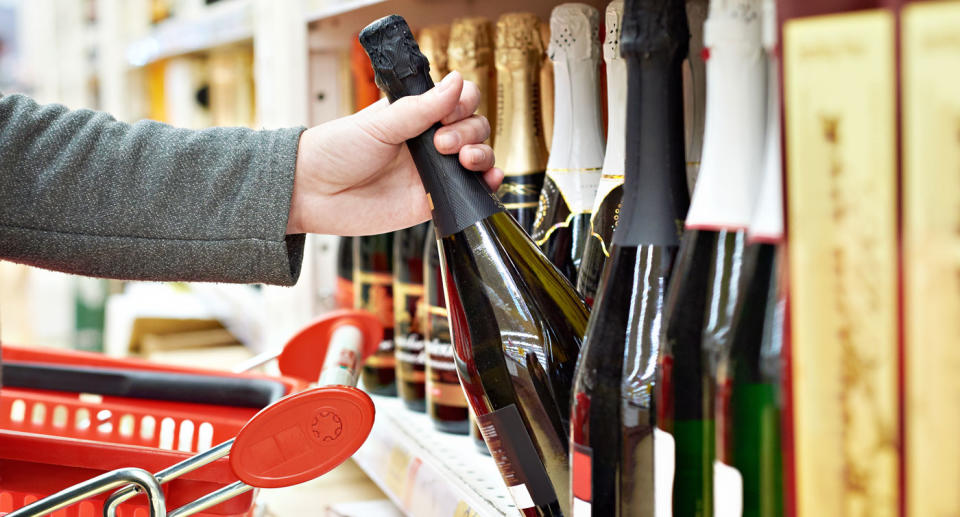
<point x="931" y="238"/>
<point x="841" y="140"/>
<point x="727" y="491"/>
<point x="443" y="384"/>
<point x="566" y="193"/>
<point x="582" y="471"/>
<point x="374" y="294"/>
<point x="521" y="191"/>
<point x="664" y="465"/>
<point x="606" y="210"/>
<point x="408" y="317"/>
<point x="517" y="458"/>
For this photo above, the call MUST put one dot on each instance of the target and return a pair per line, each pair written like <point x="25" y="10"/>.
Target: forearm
<point x="83" y="193"/>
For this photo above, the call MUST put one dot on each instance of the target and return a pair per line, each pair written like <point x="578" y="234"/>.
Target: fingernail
<point x="446" y="140"/>
<point x="445" y="82"/>
<point x="476" y="156"/>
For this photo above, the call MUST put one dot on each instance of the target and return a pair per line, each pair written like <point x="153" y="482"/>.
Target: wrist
<point x="305" y="166"/>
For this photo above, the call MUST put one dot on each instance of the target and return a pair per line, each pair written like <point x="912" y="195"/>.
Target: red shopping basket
<point x="51" y="440"/>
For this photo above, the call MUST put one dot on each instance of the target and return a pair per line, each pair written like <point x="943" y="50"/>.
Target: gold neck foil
<point x="433" y="41"/>
<point x="471" y="53"/>
<point x="519" y="143"/>
<point x="518" y="41"/>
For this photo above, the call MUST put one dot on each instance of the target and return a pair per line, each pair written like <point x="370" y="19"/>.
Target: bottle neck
<point x="655" y="196"/>
<point x="479" y="76"/>
<point x="731" y="163"/>
<point x="577" y="126"/>
<point x="519" y="143"/>
<point x="614" y="157"/>
<point x="767" y="222"/>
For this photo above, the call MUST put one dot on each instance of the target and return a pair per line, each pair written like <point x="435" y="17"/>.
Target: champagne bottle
<point x="519" y="144"/>
<point x="606" y="204"/>
<point x="562" y="223"/>
<point x="477" y="437"/>
<point x="408" y="331"/>
<point x="516" y="320"/>
<point x="704" y="299"/>
<point x="695" y="88"/>
<point x="621" y="462"/>
<point x="344" y="290"/>
<point x="471" y="53"/>
<point x="373" y="292"/>
<point x="749" y="403"/>
<point x="446" y="404"/>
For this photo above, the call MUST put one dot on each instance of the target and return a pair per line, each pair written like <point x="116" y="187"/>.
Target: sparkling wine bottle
<point x="562" y="223"/>
<point x="517" y="321"/>
<point x="519" y="142"/>
<point x="471" y="53"/>
<point x="622" y="463"/>
<point x="607" y="203"/>
<point x="704" y="299"/>
<point x="408" y="319"/>
<point x="446" y="404"/>
<point x="373" y="292"/>
<point x="748" y="474"/>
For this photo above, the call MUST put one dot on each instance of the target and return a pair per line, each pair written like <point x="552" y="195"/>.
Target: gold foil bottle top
<point x="433" y="42"/>
<point x="471" y="43"/>
<point x="611" y="42"/>
<point x="518" y="42"/>
<point x="573" y="33"/>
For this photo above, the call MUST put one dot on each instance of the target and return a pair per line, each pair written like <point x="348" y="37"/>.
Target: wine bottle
<point x="931" y="238"/>
<point x="621" y="462"/>
<point x="434" y="41"/>
<point x="477" y="437"/>
<point x="517" y="322"/>
<point x="519" y="144"/>
<point x="373" y="292"/>
<point x="703" y="301"/>
<point x="606" y="204"/>
<point x="840" y="147"/>
<point x="748" y="474"/>
<point x="562" y="223"/>
<point x="343" y="293"/>
<point x="408" y="330"/>
<point x="471" y="53"/>
<point x="446" y="404"/>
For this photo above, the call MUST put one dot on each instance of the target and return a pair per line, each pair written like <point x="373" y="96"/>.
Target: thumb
<point x="414" y="114"/>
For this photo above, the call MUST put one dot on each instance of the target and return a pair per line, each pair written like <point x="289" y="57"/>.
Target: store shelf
<point x="428" y="473"/>
<point x="220" y="24"/>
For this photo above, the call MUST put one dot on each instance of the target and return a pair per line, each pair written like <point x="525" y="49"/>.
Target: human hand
<point x="354" y="176"/>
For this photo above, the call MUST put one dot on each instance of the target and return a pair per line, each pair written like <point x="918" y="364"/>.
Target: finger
<point x="477" y="157"/>
<point x="467" y="105"/>
<point x="473" y="130"/>
<point x="412" y="115"/>
<point x="493" y="177"/>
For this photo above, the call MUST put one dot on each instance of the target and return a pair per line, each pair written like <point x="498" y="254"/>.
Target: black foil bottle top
<point x="458" y="198"/>
<point x="654" y="42"/>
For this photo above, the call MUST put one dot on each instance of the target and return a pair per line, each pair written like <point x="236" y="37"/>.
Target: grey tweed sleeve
<point x="83" y="193"/>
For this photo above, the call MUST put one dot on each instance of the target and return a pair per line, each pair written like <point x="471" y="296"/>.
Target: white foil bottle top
<point x="577" y="147"/>
<point x="731" y="165"/>
<point x="767" y="222"/>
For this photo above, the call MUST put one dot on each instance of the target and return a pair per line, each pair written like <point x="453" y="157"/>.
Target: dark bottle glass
<point x="519" y="140"/>
<point x="619" y="457"/>
<point x="607" y="203"/>
<point x="562" y="224"/>
<point x="344" y="290"/>
<point x="408" y="307"/>
<point x="446" y="404"/>
<point x="477" y="437"/>
<point x="373" y="292"/>
<point x="517" y="321"/>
